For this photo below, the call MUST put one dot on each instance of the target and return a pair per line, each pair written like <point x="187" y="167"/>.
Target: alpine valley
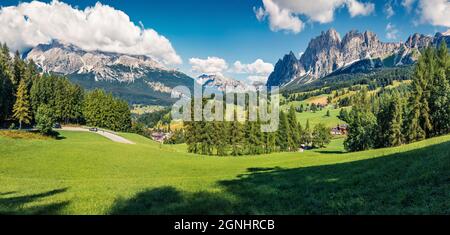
<point x="143" y="80"/>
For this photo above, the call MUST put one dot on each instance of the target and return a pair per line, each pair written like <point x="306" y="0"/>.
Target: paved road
<point x="108" y="135"/>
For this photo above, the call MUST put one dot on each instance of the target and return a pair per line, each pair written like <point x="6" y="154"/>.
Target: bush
<point x="45" y="119"/>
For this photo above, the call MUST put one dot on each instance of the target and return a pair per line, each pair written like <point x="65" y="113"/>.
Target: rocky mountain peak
<point x="65" y="58"/>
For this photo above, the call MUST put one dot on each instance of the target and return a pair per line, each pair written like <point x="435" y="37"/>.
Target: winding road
<point x="109" y="135"/>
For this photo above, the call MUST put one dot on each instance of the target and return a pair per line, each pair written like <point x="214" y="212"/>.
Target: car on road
<point x="93" y="129"/>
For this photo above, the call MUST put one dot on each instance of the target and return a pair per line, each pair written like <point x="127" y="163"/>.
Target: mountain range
<point x="329" y="54"/>
<point x="143" y="80"/>
<point x="137" y="79"/>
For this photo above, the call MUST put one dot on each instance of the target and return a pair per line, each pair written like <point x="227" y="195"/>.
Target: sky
<point x="241" y="39"/>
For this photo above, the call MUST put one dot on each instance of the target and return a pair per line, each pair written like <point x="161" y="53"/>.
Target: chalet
<point x="159" y="136"/>
<point x="340" y="129"/>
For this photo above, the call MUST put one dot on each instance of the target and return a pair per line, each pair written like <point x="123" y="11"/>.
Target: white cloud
<point x="284" y="14"/>
<point x="99" y="27"/>
<point x="389" y="10"/>
<point x="257" y="67"/>
<point x="391" y="32"/>
<point x="435" y="12"/>
<point x="211" y="65"/>
<point x="356" y="8"/>
<point x="257" y="72"/>
<point x="279" y="19"/>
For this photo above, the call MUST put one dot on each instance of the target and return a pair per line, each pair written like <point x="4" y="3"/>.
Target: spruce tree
<point x="440" y="93"/>
<point x="236" y="136"/>
<point x="22" y="108"/>
<point x="419" y="120"/>
<point x="306" y="138"/>
<point x="293" y="129"/>
<point x="396" y="137"/>
<point x="283" y="133"/>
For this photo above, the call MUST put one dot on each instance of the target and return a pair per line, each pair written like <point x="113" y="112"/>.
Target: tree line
<point x="29" y="98"/>
<point x="399" y="116"/>
<point x="246" y="138"/>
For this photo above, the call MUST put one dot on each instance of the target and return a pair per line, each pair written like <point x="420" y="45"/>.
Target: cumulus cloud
<point x="279" y="19"/>
<point x="257" y="71"/>
<point x="285" y="14"/>
<point x="391" y="32"/>
<point x="210" y="65"/>
<point x="99" y="27"/>
<point x="435" y="12"/>
<point x="356" y="8"/>
<point x="257" y="67"/>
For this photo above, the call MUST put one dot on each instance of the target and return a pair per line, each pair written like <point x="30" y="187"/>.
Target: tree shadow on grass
<point x="17" y="204"/>
<point x="415" y="182"/>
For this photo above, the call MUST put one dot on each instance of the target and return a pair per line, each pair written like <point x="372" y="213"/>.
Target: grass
<point x="22" y="135"/>
<point x="85" y="173"/>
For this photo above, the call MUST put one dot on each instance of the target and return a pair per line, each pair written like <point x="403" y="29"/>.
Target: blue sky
<point x="230" y="30"/>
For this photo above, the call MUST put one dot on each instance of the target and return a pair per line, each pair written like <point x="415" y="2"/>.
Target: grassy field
<point x="84" y="173"/>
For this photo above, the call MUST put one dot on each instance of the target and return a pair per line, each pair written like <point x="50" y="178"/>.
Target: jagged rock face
<point x="285" y="70"/>
<point x="322" y="54"/>
<point x="67" y="59"/>
<point x="418" y="41"/>
<point x="327" y="53"/>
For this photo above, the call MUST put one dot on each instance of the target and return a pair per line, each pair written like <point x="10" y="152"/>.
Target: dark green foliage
<point x="362" y="124"/>
<point x="45" y="119"/>
<point x="177" y="137"/>
<point x="103" y="110"/>
<point x="321" y="136"/>
<point x="150" y="120"/>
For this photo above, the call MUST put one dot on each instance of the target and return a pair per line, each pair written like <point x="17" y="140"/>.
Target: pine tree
<point x="440" y="93"/>
<point x="236" y="137"/>
<point x="22" y="108"/>
<point x="306" y="138"/>
<point x="396" y="137"/>
<point x="419" y="120"/>
<point x="282" y="135"/>
<point x="293" y="129"/>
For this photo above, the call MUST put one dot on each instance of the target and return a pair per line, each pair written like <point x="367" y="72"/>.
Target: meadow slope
<point x="84" y="173"/>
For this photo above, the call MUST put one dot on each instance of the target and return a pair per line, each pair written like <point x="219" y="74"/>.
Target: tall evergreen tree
<point x="293" y="129"/>
<point x="22" y="107"/>
<point x="283" y="133"/>
<point x="236" y="136"/>
<point x="440" y="93"/>
<point x="419" y="120"/>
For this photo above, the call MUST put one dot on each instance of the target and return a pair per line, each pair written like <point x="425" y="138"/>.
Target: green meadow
<point x="85" y="173"/>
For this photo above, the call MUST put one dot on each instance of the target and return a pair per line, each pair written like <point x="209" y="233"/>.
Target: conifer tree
<point x="236" y="137"/>
<point x="293" y="129"/>
<point x="306" y="134"/>
<point x="283" y="133"/>
<point x="419" y="120"/>
<point x="440" y="93"/>
<point x="395" y="137"/>
<point x="22" y="108"/>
